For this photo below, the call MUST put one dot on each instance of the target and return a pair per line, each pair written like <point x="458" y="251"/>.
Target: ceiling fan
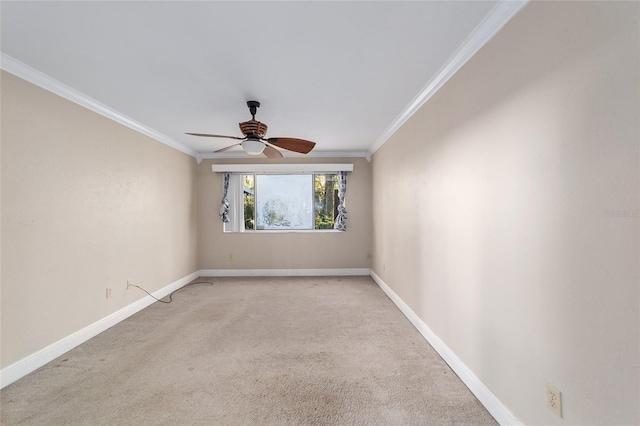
<point x="254" y="142"/>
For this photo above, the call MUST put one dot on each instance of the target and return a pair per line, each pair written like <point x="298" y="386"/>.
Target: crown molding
<point x="485" y="31"/>
<point x="313" y="154"/>
<point x="46" y="82"/>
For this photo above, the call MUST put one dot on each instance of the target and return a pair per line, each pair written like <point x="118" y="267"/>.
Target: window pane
<point x="284" y="201"/>
<point x="326" y="200"/>
<point x="248" y="199"/>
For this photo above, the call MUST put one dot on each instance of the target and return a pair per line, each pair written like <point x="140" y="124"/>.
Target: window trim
<point x="281" y="168"/>
<point x="235" y="193"/>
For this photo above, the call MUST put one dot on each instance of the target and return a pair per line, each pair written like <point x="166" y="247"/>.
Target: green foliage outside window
<point x="249" y="201"/>
<point x="326" y="200"/>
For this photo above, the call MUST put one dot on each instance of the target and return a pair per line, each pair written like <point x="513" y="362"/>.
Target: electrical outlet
<point x="109" y="292"/>
<point x="230" y="258"/>
<point x="554" y="400"/>
<point x="129" y="284"/>
<point x="384" y="266"/>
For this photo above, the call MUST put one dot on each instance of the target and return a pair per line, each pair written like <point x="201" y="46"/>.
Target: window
<point x="289" y="201"/>
<point x="283" y="197"/>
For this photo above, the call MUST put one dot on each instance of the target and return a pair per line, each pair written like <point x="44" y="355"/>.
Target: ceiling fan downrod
<point x="253" y="107"/>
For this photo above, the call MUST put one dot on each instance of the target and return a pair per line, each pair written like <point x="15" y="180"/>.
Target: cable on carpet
<point x="171" y="294"/>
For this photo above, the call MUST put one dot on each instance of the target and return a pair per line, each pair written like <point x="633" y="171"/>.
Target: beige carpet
<point x="252" y="351"/>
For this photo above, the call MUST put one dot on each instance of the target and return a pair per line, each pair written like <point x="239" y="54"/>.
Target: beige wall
<point x="286" y="250"/>
<point x="490" y="212"/>
<point x="86" y="204"/>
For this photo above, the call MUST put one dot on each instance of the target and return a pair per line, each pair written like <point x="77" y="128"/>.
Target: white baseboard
<point x="36" y="360"/>
<point x="497" y="409"/>
<point x="283" y="272"/>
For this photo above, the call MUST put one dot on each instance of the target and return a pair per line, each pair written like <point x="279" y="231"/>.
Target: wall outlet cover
<point x="554" y="400"/>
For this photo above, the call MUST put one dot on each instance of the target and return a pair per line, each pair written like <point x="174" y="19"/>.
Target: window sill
<point x="289" y="231"/>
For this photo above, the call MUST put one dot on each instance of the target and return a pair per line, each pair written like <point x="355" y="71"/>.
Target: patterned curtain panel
<point x="341" y="219"/>
<point x="224" y="208"/>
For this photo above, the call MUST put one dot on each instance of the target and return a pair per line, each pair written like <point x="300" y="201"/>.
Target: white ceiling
<point x="339" y="73"/>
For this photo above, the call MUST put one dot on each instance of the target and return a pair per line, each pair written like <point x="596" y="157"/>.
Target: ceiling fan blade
<point x="207" y="135"/>
<point x="292" y="144"/>
<point x="227" y="147"/>
<point x="271" y="153"/>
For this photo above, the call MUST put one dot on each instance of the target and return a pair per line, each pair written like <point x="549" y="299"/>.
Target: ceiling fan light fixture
<point x="253" y="147"/>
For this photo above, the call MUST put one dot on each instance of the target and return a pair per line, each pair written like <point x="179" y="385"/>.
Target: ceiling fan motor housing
<point x="253" y="127"/>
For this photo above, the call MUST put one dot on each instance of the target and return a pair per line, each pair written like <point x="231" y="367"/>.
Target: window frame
<point x="236" y="191"/>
